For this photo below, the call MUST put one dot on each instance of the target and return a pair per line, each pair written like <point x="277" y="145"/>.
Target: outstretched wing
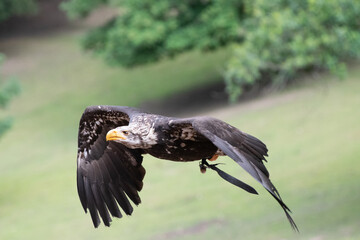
<point x="248" y="151"/>
<point x="108" y="173"/>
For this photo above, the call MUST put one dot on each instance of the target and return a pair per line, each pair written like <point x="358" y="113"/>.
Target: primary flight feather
<point x="112" y="140"/>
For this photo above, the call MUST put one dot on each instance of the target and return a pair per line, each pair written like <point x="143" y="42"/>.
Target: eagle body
<point x="179" y="144"/>
<point x="112" y="140"/>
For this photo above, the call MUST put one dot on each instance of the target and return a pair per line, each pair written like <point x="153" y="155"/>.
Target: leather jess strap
<point x="227" y="177"/>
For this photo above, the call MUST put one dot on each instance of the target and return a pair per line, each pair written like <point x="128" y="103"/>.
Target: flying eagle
<point x="112" y="140"/>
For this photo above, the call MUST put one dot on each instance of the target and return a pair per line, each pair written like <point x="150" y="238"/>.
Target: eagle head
<point x="131" y="138"/>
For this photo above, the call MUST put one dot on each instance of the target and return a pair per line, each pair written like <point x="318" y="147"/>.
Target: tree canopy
<point x="8" y="89"/>
<point x="147" y="30"/>
<point x="10" y="8"/>
<point x="285" y="37"/>
<point x="273" y="40"/>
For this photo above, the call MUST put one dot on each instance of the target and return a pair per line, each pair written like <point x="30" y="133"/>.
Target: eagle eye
<point x="125" y="132"/>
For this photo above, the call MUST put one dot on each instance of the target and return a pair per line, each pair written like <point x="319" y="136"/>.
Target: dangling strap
<point x="227" y="177"/>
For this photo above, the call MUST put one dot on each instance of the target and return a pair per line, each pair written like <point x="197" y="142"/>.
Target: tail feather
<point x="286" y="210"/>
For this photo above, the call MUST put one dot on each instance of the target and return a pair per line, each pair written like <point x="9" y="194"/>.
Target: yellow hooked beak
<point x="114" y="135"/>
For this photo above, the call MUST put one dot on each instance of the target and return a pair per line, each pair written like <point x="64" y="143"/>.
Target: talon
<point x="214" y="157"/>
<point x="203" y="166"/>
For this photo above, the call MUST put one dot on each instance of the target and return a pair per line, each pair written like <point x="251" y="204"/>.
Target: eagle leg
<point x="203" y="165"/>
<point x="213" y="158"/>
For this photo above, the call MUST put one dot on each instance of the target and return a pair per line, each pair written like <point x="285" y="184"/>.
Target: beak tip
<point x="114" y="135"/>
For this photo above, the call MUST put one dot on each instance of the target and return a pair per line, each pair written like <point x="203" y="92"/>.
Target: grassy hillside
<point x="312" y="132"/>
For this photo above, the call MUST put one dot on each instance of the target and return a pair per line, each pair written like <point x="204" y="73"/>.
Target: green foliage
<point x="81" y="8"/>
<point x="284" y="37"/>
<point x="8" y="90"/>
<point x="274" y="39"/>
<point x="9" y="8"/>
<point x="148" y="30"/>
<point x="5" y="124"/>
<point x="11" y="87"/>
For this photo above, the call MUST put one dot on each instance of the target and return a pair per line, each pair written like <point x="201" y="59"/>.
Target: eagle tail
<point x="286" y="210"/>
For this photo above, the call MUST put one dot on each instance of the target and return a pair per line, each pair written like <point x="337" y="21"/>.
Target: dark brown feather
<point x="248" y="151"/>
<point x="109" y="174"/>
<point x="105" y="172"/>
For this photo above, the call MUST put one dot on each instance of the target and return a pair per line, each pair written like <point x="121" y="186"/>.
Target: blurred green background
<point x="290" y="69"/>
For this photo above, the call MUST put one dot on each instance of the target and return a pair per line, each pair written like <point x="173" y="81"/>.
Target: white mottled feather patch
<point x="151" y="138"/>
<point x="188" y="134"/>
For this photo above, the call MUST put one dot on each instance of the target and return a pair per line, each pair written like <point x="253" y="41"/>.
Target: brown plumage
<point x="112" y="140"/>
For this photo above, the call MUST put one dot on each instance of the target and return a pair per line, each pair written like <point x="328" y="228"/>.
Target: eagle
<point x="112" y="140"/>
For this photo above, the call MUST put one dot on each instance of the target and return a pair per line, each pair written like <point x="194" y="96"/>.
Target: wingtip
<point x="292" y="222"/>
<point x="96" y="224"/>
<point x="286" y="210"/>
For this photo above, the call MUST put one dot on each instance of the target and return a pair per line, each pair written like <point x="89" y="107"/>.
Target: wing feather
<point x="108" y="197"/>
<point x="120" y="197"/>
<point x="90" y="203"/>
<point x="81" y="190"/>
<point x="110" y="202"/>
<point x="107" y="173"/>
<point x="246" y="150"/>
